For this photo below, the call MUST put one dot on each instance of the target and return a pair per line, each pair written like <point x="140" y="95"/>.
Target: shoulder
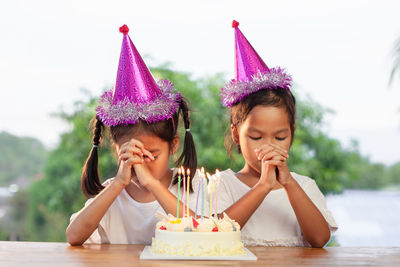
<point x="108" y="181"/>
<point x="230" y="182"/>
<point x="228" y="178"/>
<point x="197" y="175"/>
<point x="227" y="172"/>
<point x="309" y="186"/>
<point x="302" y="180"/>
<point x="105" y="184"/>
<point x="227" y="175"/>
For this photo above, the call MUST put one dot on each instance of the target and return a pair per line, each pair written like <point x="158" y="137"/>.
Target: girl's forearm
<point x="313" y="225"/>
<point x="88" y="219"/>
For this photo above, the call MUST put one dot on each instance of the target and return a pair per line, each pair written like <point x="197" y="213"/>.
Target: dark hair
<point x="166" y="130"/>
<point x="276" y="98"/>
<point x="90" y="181"/>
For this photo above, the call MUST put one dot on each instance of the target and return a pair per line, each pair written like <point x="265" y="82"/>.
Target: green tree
<point x="21" y="158"/>
<point x="21" y="162"/>
<point x="394" y="174"/>
<point x="54" y="198"/>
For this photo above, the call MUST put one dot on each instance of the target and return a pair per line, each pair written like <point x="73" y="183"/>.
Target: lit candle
<point x="179" y="188"/>
<point x="187" y="192"/>
<point x="210" y="191"/>
<point x="183" y="193"/>
<point x="213" y="187"/>
<point x="217" y="178"/>
<point x="203" y="184"/>
<point x="200" y="184"/>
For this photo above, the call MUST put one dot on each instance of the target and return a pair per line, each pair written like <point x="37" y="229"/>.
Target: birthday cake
<point x="202" y="237"/>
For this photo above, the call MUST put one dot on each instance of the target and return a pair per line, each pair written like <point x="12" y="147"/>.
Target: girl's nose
<point x="270" y="140"/>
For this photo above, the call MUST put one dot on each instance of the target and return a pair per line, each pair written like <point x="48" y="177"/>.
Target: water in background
<point x="366" y="218"/>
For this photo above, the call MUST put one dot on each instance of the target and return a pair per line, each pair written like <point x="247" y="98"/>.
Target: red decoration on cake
<point x="163" y="228"/>
<point x="215" y="229"/>
<point x="195" y="223"/>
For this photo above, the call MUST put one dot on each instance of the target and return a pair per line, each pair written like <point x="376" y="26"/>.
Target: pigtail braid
<point x="90" y="180"/>
<point x="188" y="158"/>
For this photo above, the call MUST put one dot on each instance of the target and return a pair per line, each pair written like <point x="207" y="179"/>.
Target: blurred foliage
<point x="47" y="206"/>
<point x="21" y="162"/>
<point x="20" y="158"/>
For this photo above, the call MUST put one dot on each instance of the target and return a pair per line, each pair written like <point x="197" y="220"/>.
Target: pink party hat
<point x="252" y="74"/>
<point x="247" y="61"/>
<point x="136" y="95"/>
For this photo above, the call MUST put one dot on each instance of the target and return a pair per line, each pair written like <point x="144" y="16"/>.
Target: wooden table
<point x="61" y="254"/>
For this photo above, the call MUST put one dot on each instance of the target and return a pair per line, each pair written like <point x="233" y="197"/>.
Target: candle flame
<point x="188" y="172"/>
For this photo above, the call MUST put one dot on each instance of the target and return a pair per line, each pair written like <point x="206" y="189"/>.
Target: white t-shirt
<point x="274" y="222"/>
<point x="130" y="222"/>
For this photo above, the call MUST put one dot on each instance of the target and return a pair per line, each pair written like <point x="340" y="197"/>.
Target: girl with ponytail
<point x="142" y="117"/>
<point x="274" y="206"/>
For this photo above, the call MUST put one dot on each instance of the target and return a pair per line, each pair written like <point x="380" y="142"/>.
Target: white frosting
<point x="175" y="227"/>
<point x="205" y="226"/>
<point x="182" y="238"/>
<point x="225" y="226"/>
<point x="197" y="243"/>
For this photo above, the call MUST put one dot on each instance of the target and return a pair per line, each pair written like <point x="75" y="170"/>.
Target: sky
<point x="340" y="53"/>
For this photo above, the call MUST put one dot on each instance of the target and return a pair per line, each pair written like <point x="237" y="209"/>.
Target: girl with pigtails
<point x="142" y="117"/>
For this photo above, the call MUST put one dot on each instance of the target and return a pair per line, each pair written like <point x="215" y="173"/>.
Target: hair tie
<point x="95" y="146"/>
<point x="188" y="130"/>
